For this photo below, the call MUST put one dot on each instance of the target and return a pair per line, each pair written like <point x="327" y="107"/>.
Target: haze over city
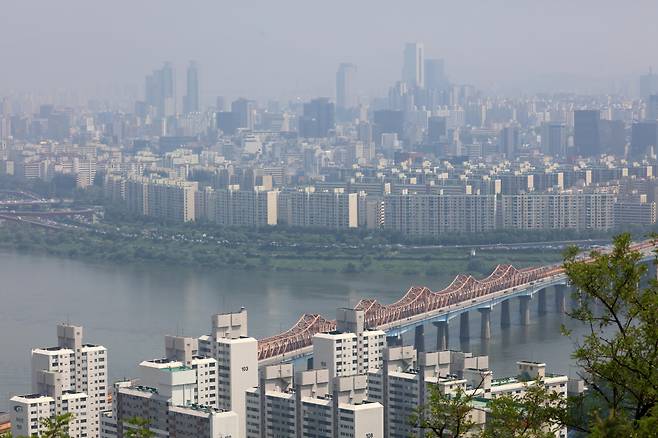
<point x="355" y="219"/>
<point x="287" y="48"/>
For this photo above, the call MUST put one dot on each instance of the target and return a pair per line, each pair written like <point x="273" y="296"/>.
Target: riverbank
<point x="130" y="245"/>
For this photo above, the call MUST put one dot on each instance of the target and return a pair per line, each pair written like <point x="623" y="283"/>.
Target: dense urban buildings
<point x="431" y="159"/>
<point x="357" y="384"/>
<point x="71" y="377"/>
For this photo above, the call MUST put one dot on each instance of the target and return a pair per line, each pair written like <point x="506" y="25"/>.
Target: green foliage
<point x="56" y="427"/>
<point x="619" y="354"/>
<point x="536" y="413"/>
<point x="446" y="414"/>
<point x="139" y="428"/>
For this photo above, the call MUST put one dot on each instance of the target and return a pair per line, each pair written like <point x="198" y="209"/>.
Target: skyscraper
<point x="413" y="69"/>
<point x="648" y="84"/>
<point x="436" y="129"/>
<point x="587" y="133"/>
<point x="318" y="118"/>
<point x="652" y="107"/>
<point x="160" y="90"/>
<point x="509" y="141"/>
<point x="245" y="109"/>
<point x="345" y="96"/>
<point x="435" y="77"/>
<point x="191" y="99"/>
<point x="644" y="136"/>
<point x="554" y="139"/>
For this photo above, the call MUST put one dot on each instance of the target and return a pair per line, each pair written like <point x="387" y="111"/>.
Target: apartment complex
<point x="422" y="203"/>
<point x="167" y="418"/>
<point x="244" y="208"/>
<point x="306" y="406"/>
<point x="308" y="207"/>
<point x="565" y="210"/>
<point x="163" y="198"/>
<point x="351" y="349"/>
<point x="406" y="377"/>
<point x="415" y="214"/>
<point x="71" y="377"/>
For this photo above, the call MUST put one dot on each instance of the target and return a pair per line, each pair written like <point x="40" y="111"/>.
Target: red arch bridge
<point x="420" y="305"/>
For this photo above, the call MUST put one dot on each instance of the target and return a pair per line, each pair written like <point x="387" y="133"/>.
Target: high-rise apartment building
<point x="71" y="377"/>
<point x="322" y="209"/>
<point x="191" y="98"/>
<point x="311" y="405"/>
<point x="167" y="417"/>
<point x="413" y="69"/>
<point x="237" y="361"/>
<point x="564" y="210"/>
<point x="165" y="198"/>
<point x="351" y="349"/>
<point x="235" y="207"/>
<point x="345" y="89"/>
<point x="418" y="214"/>
<point x="403" y="383"/>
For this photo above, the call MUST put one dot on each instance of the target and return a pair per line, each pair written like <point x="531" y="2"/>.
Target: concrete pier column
<point x="485" y="330"/>
<point x="442" y="337"/>
<point x="464" y="327"/>
<point x="560" y="299"/>
<point x="419" y="338"/>
<point x="525" y="309"/>
<point x="541" y="304"/>
<point x="505" y="320"/>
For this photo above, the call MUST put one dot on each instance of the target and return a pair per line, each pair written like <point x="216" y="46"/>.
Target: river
<point x="129" y="309"/>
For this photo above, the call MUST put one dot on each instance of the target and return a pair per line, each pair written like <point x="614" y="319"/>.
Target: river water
<point x="129" y="309"/>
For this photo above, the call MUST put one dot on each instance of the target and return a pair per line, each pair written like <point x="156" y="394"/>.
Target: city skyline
<point x="511" y="49"/>
<point x="364" y="178"/>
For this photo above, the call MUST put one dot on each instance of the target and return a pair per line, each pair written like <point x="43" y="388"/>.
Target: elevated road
<point x="420" y="305"/>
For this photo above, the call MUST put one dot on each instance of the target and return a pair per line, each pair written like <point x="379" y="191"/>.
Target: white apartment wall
<point x="237" y="362"/>
<point x="365" y="420"/>
<point x="27" y="413"/>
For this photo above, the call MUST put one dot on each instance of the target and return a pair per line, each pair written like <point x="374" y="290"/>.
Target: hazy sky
<point x="292" y="47"/>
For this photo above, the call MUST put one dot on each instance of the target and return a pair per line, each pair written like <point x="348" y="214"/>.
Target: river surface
<point x="129" y="309"/>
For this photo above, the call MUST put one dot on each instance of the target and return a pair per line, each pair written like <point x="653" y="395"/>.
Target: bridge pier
<point x="505" y="320"/>
<point x="485" y="329"/>
<point x="464" y="327"/>
<point x="525" y="309"/>
<point x="560" y="299"/>
<point x="419" y="338"/>
<point x="442" y="336"/>
<point x="541" y="302"/>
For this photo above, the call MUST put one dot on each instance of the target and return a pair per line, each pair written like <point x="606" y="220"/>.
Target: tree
<point x="140" y="428"/>
<point x="619" y="353"/>
<point x="537" y="413"/>
<point x="446" y="414"/>
<point x="57" y="426"/>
